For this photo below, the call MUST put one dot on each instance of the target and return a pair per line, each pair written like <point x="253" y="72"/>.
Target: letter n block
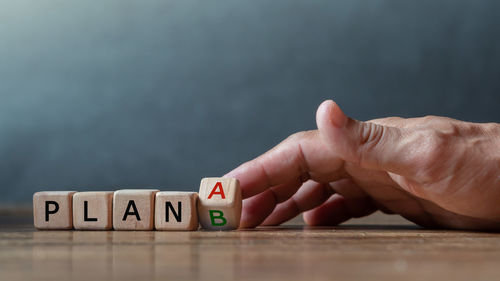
<point x="53" y="209"/>
<point x="176" y="210"/>
<point x="219" y="204"/>
<point x="93" y="210"/>
<point x="134" y="209"/>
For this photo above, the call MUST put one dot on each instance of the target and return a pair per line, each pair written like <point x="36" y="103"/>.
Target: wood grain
<point x="379" y="247"/>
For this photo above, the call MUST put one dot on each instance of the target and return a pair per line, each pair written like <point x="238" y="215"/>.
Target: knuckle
<point x="296" y="154"/>
<point x="426" y="120"/>
<point x="432" y="145"/>
<point x="298" y="136"/>
<point x="291" y="141"/>
<point x="390" y="121"/>
<point x="431" y="153"/>
<point x="429" y="117"/>
<point x="371" y="134"/>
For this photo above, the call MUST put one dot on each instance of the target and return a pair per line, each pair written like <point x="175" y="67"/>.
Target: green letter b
<point x="219" y="216"/>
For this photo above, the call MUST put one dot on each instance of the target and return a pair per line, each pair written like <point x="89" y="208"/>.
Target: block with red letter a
<point x="219" y="204"/>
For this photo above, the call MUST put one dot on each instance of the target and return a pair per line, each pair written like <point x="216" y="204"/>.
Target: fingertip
<point x="256" y="209"/>
<point x="323" y="113"/>
<point x="329" y="114"/>
<point x="338" y="117"/>
<point x="236" y="172"/>
<point x="330" y="121"/>
<point x="332" y="212"/>
<point x="306" y="216"/>
<point x="245" y="179"/>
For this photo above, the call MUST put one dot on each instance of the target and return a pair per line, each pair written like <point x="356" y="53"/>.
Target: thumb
<point x="369" y="145"/>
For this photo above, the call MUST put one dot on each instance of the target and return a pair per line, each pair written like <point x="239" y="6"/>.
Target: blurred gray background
<point x="99" y="95"/>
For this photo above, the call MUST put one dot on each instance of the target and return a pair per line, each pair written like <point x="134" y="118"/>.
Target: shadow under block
<point x="133" y="209"/>
<point x="219" y="203"/>
<point x="93" y="210"/>
<point x="53" y="209"/>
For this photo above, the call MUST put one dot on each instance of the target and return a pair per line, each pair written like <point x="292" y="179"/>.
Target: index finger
<point x="300" y="157"/>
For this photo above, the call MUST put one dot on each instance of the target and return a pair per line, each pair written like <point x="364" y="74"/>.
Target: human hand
<point x="434" y="171"/>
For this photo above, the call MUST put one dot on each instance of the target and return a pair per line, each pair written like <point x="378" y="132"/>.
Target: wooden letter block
<point x="176" y="211"/>
<point x="93" y="210"/>
<point x="219" y="204"/>
<point x="53" y="209"/>
<point x="133" y="209"/>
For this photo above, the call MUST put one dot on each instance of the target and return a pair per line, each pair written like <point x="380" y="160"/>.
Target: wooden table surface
<point x="379" y="247"/>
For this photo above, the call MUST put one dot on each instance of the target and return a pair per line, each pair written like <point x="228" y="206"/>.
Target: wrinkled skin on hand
<point x="434" y="171"/>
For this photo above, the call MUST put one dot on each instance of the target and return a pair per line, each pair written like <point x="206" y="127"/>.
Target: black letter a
<point x="131" y="203"/>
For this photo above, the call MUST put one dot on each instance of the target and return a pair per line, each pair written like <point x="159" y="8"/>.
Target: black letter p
<point x="47" y="211"/>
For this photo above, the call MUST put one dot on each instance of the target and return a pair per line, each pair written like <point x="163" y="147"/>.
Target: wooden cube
<point x="133" y="209"/>
<point x="93" y="210"/>
<point x="176" y="210"/>
<point x="219" y="204"/>
<point x="53" y="209"/>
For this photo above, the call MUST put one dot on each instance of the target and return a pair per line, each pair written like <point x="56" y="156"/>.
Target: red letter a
<point x="220" y="192"/>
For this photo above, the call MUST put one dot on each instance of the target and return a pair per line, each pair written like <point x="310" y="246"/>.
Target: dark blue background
<point x="124" y="93"/>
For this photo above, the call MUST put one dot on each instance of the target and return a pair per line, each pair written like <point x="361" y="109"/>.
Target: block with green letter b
<point x="219" y="204"/>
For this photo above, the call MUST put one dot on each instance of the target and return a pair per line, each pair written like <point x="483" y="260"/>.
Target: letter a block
<point x="133" y="209"/>
<point x="93" y="210"/>
<point x="176" y="211"/>
<point x="53" y="209"/>
<point x="219" y="204"/>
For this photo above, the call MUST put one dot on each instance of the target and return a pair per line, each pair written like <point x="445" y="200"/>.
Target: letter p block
<point x="53" y="209"/>
<point x="219" y="204"/>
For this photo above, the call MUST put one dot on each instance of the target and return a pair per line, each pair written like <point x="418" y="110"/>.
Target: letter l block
<point x="92" y="210"/>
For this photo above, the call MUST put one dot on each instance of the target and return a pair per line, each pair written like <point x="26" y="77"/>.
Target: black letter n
<point x="177" y="215"/>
